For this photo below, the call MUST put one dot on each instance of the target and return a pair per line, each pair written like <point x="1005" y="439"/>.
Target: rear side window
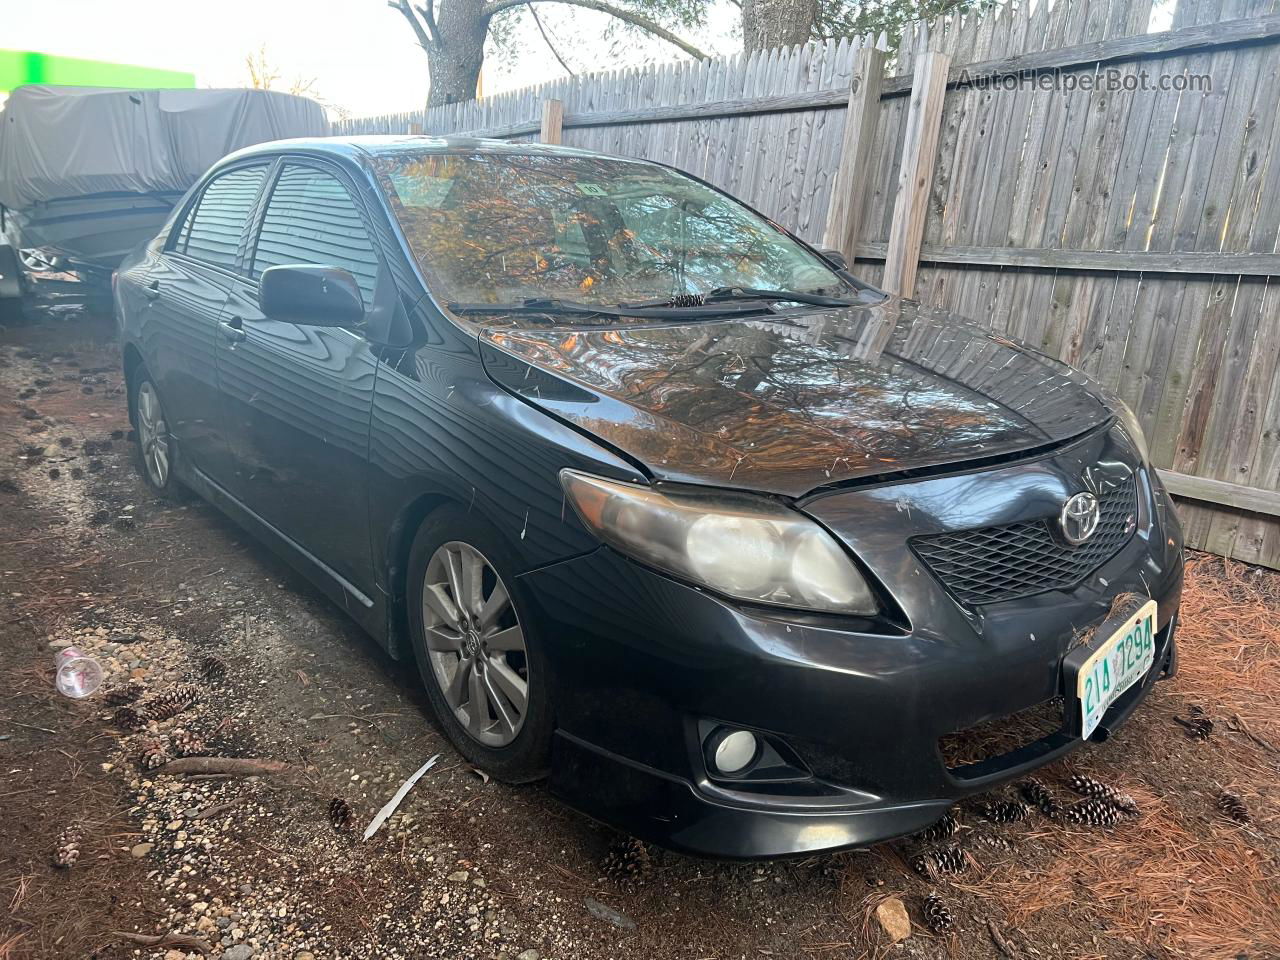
<point x="312" y="219"/>
<point x="212" y="232"/>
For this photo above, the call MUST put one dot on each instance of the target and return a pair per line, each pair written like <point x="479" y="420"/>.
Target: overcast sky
<point x="360" y="54"/>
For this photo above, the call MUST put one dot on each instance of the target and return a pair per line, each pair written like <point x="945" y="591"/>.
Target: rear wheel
<point x="481" y="663"/>
<point x="156" y="449"/>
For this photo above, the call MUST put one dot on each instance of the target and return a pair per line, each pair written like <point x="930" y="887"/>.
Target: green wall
<point x="23" y="66"/>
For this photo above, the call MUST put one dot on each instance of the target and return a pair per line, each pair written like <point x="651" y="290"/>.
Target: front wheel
<point x="483" y="667"/>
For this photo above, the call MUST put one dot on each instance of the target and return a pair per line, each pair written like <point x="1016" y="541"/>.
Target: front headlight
<point x="1132" y="428"/>
<point x="742" y="546"/>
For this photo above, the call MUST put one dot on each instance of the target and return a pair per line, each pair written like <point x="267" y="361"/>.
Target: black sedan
<point x="748" y="557"/>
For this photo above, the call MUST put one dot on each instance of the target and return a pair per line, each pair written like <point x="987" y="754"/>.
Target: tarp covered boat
<point x="87" y="173"/>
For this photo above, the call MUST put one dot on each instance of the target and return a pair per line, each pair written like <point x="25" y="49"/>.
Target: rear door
<point x="297" y="398"/>
<point x="185" y="293"/>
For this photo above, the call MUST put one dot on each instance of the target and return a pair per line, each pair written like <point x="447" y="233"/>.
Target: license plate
<point x="1119" y="662"/>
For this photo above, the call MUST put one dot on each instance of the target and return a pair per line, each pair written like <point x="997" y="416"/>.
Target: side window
<point x="312" y="219"/>
<point x="212" y="232"/>
<point x="180" y="244"/>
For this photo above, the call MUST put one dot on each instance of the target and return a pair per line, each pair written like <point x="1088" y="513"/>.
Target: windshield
<point x="502" y="228"/>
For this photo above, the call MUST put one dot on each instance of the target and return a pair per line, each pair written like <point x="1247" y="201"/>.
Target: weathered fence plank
<point x="848" y="196"/>
<point x="916" y="173"/>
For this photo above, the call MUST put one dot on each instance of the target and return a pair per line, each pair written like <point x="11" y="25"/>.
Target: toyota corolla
<point x="747" y="557"/>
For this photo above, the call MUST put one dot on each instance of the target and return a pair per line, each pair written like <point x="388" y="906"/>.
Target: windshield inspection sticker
<point x="592" y="190"/>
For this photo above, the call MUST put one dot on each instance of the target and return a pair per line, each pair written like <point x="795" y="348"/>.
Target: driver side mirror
<point x="835" y="258"/>
<point x="311" y="296"/>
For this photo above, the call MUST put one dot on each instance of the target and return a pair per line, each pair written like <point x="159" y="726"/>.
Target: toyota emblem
<point x="1079" y="518"/>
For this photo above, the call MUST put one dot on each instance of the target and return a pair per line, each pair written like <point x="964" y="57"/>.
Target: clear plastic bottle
<point x="79" y="674"/>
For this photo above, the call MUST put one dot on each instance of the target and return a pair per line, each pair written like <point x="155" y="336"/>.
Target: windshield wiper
<point x="730" y="294"/>
<point x="658" y="309"/>
<point x="533" y="305"/>
<point x="793" y="296"/>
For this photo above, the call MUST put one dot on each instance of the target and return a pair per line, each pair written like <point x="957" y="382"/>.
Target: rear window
<point x="213" y="231"/>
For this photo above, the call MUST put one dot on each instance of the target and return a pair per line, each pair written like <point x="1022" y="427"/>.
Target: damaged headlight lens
<point x="742" y="546"/>
<point x="1132" y="428"/>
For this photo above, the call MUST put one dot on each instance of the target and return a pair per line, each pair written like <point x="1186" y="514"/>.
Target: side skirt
<point x="371" y="613"/>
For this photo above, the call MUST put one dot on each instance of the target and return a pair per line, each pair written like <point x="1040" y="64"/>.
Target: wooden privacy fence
<point x="1108" y="194"/>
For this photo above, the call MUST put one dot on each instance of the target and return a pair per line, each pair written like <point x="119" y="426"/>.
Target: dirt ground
<point x="252" y="867"/>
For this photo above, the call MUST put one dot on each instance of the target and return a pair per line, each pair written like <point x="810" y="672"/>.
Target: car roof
<point x="360" y="148"/>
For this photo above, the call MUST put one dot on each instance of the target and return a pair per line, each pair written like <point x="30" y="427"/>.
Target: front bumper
<point x="642" y="664"/>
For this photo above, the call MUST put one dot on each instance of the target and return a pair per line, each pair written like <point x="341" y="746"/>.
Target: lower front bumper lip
<point x="667" y="810"/>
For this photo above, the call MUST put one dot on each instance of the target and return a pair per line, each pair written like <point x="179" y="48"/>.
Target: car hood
<point x="789" y="403"/>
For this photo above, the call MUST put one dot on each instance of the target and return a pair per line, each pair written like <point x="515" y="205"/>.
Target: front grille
<point x="1016" y="560"/>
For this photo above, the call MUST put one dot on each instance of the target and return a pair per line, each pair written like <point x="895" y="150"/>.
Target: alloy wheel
<point x="153" y="435"/>
<point x="475" y="644"/>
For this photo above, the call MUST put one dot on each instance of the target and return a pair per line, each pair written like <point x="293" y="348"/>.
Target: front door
<point x="296" y="398"/>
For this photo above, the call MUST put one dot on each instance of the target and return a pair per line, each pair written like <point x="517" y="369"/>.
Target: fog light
<point x="735" y="751"/>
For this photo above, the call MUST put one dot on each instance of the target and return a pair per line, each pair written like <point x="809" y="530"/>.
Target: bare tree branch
<point x="627" y="16"/>
<point x="428" y="13"/>
<point x="425" y="41"/>
<point x="547" y="40"/>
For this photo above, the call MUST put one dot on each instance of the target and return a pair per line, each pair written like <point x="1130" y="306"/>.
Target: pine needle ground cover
<point x="1182" y="876"/>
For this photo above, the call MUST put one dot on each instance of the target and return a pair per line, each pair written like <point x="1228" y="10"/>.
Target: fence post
<point x="915" y="176"/>
<point x="415" y="129"/>
<point x="552" y="120"/>
<point x="849" y="192"/>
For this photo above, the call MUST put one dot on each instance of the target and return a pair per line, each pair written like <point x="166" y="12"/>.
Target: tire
<point x="154" y="444"/>
<point x="484" y="648"/>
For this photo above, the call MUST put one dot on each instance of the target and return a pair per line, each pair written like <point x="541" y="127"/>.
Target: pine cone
<point x="1038" y="795"/>
<point x="171" y="703"/>
<point x="1233" y="807"/>
<point x="936" y="915"/>
<point x="185" y="743"/>
<point x="940" y="860"/>
<point x="124" y="694"/>
<point x="1004" y="811"/>
<point x="68" y="850"/>
<point x="131" y="719"/>
<point x="945" y="827"/>
<point x="1089" y="787"/>
<point x="1094" y="813"/>
<point x="1198" y="727"/>
<point x="152" y="754"/>
<point x="213" y="669"/>
<point x="340" y="814"/>
<point x="628" y="863"/>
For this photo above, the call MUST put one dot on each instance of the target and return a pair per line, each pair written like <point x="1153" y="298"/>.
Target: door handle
<point x="151" y="290"/>
<point x="232" y="330"/>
